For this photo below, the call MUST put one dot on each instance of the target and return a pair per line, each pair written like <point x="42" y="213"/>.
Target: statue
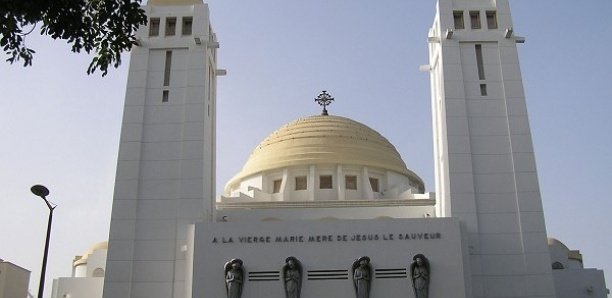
<point x="292" y="277"/>
<point x="234" y="278"/>
<point x="419" y="271"/>
<point x="362" y="273"/>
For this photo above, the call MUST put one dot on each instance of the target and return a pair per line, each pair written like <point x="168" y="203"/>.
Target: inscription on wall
<point x="228" y="239"/>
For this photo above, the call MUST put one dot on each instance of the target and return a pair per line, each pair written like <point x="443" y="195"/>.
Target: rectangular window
<point x="154" y="27"/>
<point x="165" y="95"/>
<point x="167" y="68"/>
<point x="480" y="62"/>
<point x="276" y="186"/>
<point x="187" y="24"/>
<point x="491" y="19"/>
<point x="458" y="18"/>
<point x="301" y="183"/>
<point x="171" y="26"/>
<point x="483" y="89"/>
<point x="350" y="182"/>
<point x="475" y="19"/>
<point x="325" y="182"/>
<point x="374" y="184"/>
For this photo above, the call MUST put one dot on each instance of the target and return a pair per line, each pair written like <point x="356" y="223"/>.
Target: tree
<point x="105" y="27"/>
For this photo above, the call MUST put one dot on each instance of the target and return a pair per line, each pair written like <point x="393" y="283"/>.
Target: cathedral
<point x="325" y="206"/>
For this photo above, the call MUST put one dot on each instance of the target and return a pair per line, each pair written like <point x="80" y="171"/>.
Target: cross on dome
<point x="324" y="99"/>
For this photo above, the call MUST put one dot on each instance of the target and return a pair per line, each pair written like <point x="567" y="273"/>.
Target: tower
<point x="484" y="162"/>
<point x="166" y="167"/>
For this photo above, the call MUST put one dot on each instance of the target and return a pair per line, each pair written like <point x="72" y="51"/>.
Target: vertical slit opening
<point x="167" y="68"/>
<point x="483" y="89"/>
<point x="165" y="95"/>
<point x="479" y="62"/>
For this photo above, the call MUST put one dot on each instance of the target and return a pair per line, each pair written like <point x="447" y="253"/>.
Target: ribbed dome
<point x="323" y="140"/>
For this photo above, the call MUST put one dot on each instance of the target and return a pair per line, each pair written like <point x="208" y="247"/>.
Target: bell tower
<point x="485" y="169"/>
<point x="166" y="167"/>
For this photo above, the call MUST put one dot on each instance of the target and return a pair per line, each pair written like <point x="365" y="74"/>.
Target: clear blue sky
<point x="60" y="127"/>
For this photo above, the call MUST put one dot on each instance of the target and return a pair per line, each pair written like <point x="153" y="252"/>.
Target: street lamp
<point x="42" y="191"/>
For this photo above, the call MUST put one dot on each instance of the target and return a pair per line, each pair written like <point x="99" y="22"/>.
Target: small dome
<point x="323" y="140"/>
<point x="78" y="260"/>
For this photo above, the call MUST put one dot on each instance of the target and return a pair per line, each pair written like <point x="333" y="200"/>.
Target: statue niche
<point x="292" y="277"/>
<point x="234" y="278"/>
<point x="419" y="272"/>
<point x="362" y="277"/>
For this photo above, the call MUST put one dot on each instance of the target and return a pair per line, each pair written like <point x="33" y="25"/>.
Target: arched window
<point x="98" y="272"/>
<point x="557" y="265"/>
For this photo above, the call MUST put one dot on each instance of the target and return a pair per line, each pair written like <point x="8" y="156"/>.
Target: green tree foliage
<point x="105" y="27"/>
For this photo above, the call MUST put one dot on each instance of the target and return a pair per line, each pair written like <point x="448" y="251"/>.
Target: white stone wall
<point x="96" y="262"/>
<point x="77" y="287"/>
<point x="580" y="283"/>
<point x="14" y="280"/>
<point x="165" y="170"/>
<point x="330" y="245"/>
<point x="484" y="161"/>
<point x="263" y="212"/>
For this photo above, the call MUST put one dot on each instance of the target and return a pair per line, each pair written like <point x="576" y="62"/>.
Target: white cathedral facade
<point x="325" y="206"/>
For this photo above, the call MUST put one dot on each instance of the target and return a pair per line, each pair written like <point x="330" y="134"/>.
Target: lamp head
<point x="40" y="190"/>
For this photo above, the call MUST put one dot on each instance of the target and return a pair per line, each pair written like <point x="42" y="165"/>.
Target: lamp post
<point x="42" y="191"/>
